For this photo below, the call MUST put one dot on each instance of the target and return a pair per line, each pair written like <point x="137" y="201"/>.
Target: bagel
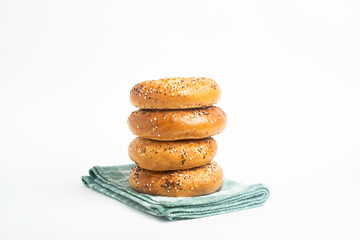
<point x="182" y="183"/>
<point x="170" y="125"/>
<point x="172" y="155"/>
<point x="175" y="93"/>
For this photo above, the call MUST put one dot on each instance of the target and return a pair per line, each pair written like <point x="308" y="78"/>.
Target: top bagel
<point x="175" y="93"/>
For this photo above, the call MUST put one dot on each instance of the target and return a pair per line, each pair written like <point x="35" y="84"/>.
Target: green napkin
<point x="233" y="196"/>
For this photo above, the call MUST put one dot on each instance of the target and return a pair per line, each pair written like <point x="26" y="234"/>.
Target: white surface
<point x="289" y="71"/>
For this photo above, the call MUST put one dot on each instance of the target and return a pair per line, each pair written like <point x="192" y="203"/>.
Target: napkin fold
<point x="113" y="182"/>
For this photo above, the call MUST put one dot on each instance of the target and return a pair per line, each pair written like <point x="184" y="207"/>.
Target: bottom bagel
<point x="179" y="183"/>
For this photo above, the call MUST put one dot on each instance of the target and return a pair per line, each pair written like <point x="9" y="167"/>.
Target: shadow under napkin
<point x="233" y="196"/>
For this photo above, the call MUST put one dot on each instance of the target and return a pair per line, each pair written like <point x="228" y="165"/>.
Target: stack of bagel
<point x="174" y="150"/>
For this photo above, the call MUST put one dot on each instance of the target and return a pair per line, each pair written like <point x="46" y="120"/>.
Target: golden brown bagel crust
<point x="170" y="125"/>
<point x="172" y="155"/>
<point x="182" y="183"/>
<point x="175" y="93"/>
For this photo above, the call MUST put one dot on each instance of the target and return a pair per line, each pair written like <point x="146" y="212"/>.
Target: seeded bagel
<point x="172" y="155"/>
<point x="175" y="93"/>
<point x="170" y="125"/>
<point x="181" y="183"/>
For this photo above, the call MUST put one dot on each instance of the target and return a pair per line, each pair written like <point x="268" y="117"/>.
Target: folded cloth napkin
<point x="233" y="196"/>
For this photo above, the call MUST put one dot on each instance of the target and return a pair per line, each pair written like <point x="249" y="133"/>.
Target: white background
<point x="290" y="76"/>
